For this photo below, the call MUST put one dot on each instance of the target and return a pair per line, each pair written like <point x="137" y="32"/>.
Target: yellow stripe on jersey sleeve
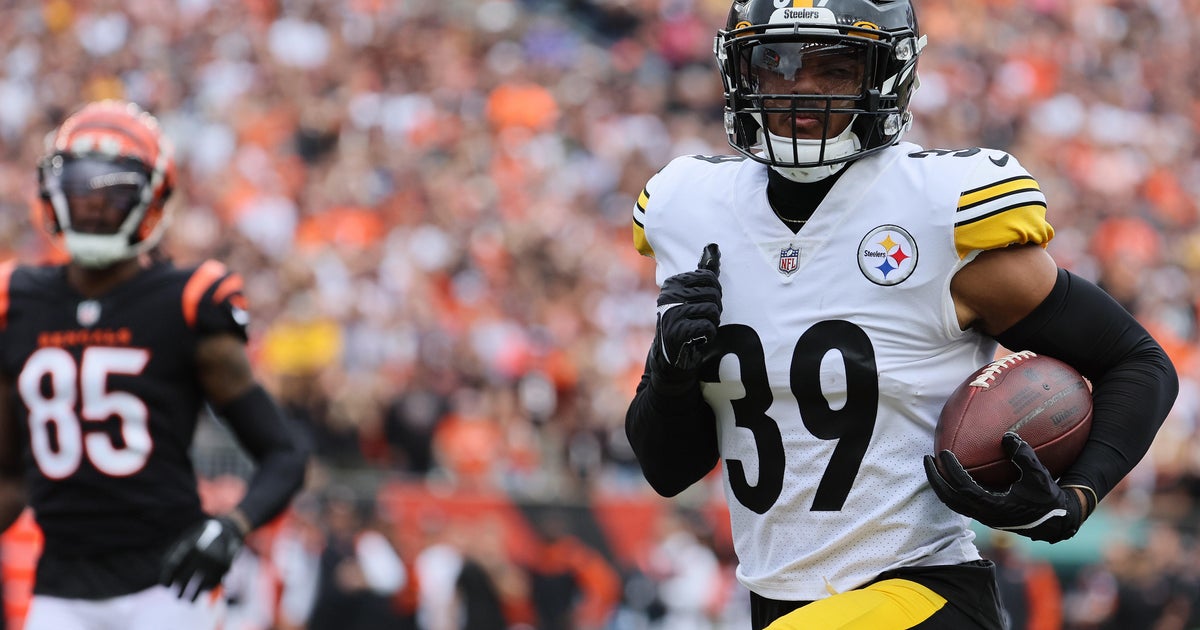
<point x="640" y="242"/>
<point x="1002" y="213"/>
<point x="639" y="225"/>
<point x="996" y="190"/>
<point x="1013" y="225"/>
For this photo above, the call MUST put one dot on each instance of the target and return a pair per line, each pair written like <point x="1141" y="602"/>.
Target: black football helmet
<point x="877" y="39"/>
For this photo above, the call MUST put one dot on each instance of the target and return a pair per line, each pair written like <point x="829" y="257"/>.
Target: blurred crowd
<point x="430" y="203"/>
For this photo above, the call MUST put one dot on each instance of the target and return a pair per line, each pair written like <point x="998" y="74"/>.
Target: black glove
<point x="1034" y="506"/>
<point x="200" y="558"/>
<point x="689" y="312"/>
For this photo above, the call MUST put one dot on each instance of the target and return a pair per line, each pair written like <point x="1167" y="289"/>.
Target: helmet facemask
<point x="846" y="88"/>
<point x="102" y="206"/>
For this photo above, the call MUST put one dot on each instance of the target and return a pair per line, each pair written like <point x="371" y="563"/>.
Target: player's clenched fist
<point x="689" y="312"/>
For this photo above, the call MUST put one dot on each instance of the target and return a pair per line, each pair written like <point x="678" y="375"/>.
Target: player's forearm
<point x="1133" y="380"/>
<point x="674" y="437"/>
<point x="1129" y="404"/>
<point x="12" y="501"/>
<point x="278" y="477"/>
<point x="277" y="448"/>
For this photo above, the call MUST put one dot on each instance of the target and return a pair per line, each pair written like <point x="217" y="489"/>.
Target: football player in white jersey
<point x="848" y="281"/>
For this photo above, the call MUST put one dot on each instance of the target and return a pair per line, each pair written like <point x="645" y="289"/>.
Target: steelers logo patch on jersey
<point x="887" y="255"/>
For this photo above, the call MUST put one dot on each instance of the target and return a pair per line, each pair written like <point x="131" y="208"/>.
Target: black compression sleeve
<point x="276" y="446"/>
<point x="1134" y="382"/>
<point x="674" y="436"/>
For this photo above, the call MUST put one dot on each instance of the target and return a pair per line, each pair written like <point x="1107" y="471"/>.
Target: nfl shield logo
<point x="789" y="260"/>
<point x="87" y="313"/>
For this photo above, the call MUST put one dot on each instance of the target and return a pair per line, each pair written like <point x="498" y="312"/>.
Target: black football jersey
<point x="106" y="393"/>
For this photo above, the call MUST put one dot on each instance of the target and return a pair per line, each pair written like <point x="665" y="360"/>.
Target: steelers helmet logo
<point x="887" y="255"/>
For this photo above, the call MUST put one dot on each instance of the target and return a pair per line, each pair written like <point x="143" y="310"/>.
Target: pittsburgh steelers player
<point x="822" y="293"/>
<point x="105" y="364"/>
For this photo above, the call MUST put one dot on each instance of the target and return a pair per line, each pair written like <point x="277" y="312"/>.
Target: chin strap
<point x="811" y="174"/>
<point x="845" y="144"/>
<point x="97" y="251"/>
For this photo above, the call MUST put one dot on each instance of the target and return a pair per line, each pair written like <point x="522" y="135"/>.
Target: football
<point x="1042" y="399"/>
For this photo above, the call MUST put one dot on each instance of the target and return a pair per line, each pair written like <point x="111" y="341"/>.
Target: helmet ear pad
<point x="43" y="211"/>
<point x="156" y="214"/>
<point x="150" y="222"/>
<point x="745" y="127"/>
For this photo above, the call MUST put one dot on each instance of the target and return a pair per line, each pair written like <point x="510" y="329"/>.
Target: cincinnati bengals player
<point x="105" y="365"/>
<point x="852" y="281"/>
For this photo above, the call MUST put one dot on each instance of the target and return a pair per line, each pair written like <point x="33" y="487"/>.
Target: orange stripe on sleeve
<point x="230" y="285"/>
<point x="6" y="272"/>
<point x="200" y="282"/>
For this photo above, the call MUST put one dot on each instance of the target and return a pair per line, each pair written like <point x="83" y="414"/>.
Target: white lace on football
<point x="989" y="373"/>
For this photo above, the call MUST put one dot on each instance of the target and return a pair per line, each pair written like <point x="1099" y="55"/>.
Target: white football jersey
<point x="837" y="348"/>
